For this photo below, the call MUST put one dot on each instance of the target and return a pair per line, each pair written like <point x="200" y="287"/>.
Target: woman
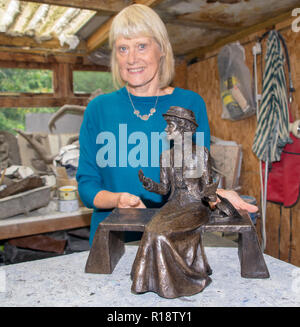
<point x="119" y="131"/>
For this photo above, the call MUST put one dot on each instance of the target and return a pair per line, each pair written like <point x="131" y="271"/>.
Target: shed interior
<point x="64" y="36"/>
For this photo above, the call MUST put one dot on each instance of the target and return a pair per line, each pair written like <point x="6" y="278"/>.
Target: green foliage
<point x="14" y="118"/>
<point x="88" y="82"/>
<point x="25" y="80"/>
<point x="40" y="81"/>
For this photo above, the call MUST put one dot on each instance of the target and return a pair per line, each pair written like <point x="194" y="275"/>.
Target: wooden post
<point x="63" y="80"/>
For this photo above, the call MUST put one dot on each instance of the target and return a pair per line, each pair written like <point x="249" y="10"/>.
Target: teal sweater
<point x="115" y="144"/>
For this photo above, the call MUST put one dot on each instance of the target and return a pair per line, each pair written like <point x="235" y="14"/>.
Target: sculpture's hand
<point x="147" y="182"/>
<point x="209" y="191"/>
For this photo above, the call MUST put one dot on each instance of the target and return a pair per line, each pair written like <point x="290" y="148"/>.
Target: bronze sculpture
<point x="171" y="260"/>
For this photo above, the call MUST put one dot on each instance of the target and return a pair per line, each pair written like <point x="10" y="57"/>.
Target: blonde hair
<point x="140" y="20"/>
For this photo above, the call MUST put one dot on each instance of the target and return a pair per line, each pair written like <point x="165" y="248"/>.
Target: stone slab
<point x="61" y="282"/>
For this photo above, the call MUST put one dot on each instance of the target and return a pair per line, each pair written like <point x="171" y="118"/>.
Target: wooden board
<point x="38" y="100"/>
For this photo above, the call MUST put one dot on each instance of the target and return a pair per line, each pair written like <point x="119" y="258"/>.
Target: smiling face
<point x="138" y="60"/>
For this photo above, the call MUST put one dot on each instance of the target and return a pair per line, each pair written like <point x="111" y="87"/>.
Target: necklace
<point x="137" y="112"/>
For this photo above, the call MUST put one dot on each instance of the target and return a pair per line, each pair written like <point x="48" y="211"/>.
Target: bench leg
<point x="251" y="257"/>
<point x="106" y="251"/>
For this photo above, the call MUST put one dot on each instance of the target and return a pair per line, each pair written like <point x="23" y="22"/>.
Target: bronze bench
<point x="108" y="245"/>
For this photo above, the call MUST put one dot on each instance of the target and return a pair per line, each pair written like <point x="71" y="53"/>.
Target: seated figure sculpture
<point x="171" y="260"/>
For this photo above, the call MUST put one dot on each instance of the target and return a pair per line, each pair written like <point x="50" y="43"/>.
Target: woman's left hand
<point x="237" y="201"/>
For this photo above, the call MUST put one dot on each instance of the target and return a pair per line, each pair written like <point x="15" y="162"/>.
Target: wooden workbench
<point x="36" y="223"/>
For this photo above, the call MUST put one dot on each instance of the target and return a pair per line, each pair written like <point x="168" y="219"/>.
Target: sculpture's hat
<point x="182" y="113"/>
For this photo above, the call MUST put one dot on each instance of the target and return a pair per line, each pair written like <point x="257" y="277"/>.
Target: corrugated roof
<point x="43" y="21"/>
<point x="195" y="26"/>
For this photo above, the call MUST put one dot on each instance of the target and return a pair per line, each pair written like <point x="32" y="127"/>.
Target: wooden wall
<point x="283" y="224"/>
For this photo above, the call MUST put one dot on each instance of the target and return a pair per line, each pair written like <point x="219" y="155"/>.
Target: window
<point x="88" y="82"/>
<point x="15" y="80"/>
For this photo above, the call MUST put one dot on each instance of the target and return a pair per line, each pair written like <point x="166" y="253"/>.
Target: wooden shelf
<point x="22" y="225"/>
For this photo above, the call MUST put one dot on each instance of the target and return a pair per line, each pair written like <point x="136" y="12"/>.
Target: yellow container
<point x="67" y="193"/>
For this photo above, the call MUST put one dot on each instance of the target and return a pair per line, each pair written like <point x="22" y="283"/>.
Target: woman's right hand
<point x="109" y="200"/>
<point x="127" y="200"/>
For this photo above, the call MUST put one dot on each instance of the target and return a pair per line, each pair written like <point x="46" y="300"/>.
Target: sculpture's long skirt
<point x="171" y="260"/>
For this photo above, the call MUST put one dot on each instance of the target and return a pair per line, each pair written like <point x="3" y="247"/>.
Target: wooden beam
<point x="38" y="61"/>
<point x="27" y="57"/>
<point x="40" y="100"/>
<point x="111" y="6"/>
<point x="29" y="43"/>
<point x="90" y="68"/>
<point x="200" y="52"/>
<point x="25" y="65"/>
<point x="99" y="37"/>
<point x="210" y="25"/>
<point x="101" y="34"/>
<point x="42" y="51"/>
<point x="50" y="66"/>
